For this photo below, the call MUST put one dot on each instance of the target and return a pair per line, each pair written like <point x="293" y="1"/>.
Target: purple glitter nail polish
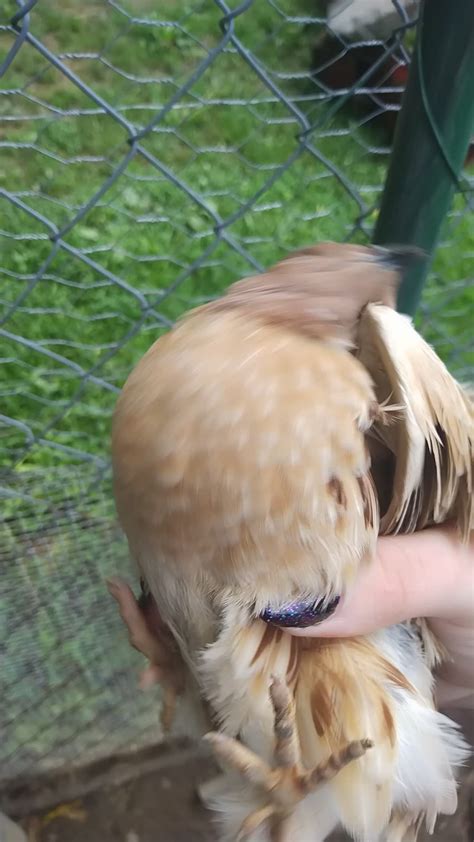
<point x="300" y="613"/>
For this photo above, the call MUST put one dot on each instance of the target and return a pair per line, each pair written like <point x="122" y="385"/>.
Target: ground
<point x="159" y="806"/>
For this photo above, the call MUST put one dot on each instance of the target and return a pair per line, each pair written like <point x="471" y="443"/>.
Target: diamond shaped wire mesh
<point x="151" y="154"/>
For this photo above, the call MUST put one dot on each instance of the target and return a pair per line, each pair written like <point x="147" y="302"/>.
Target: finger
<point x="150" y="676"/>
<point x="125" y="599"/>
<point x="418" y="575"/>
<point x="128" y="609"/>
<point x="139" y="633"/>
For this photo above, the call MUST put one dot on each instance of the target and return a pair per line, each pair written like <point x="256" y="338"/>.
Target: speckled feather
<point x="241" y="451"/>
<point x="235" y="431"/>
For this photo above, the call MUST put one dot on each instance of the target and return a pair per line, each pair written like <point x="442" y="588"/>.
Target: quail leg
<point x="287" y="782"/>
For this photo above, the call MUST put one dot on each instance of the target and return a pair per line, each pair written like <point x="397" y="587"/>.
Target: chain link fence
<point x="153" y="152"/>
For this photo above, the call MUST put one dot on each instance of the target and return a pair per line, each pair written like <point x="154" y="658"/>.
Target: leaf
<point x="71" y="810"/>
<point x="90" y="234"/>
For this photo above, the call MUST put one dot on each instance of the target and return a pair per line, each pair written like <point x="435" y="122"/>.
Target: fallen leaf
<point x="71" y="810"/>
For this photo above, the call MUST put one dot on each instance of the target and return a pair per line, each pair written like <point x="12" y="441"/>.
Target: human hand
<point x="149" y="635"/>
<point x="428" y="574"/>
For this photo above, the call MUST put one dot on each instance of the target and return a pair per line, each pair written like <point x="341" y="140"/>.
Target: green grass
<point x="68" y="679"/>
<point x="145" y="229"/>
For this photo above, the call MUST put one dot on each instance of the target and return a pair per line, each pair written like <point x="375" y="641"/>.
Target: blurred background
<point x="151" y="152"/>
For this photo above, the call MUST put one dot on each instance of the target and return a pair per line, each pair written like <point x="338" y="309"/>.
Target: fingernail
<point x="302" y="613"/>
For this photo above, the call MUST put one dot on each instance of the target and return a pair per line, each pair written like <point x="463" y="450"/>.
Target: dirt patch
<point x="160" y="806"/>
<point x="157" y="807"/>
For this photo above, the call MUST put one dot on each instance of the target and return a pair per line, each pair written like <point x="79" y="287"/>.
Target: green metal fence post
<point x="434" y="128"/>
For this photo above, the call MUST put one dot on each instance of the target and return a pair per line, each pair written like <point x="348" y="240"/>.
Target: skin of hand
<point x="148" y="634"/>
<point x="428" y="574"/>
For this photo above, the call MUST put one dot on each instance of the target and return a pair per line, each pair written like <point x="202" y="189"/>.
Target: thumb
<point x="412" y="576"/>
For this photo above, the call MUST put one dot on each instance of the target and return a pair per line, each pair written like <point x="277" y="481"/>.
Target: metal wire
<point x="148" y="160"/>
